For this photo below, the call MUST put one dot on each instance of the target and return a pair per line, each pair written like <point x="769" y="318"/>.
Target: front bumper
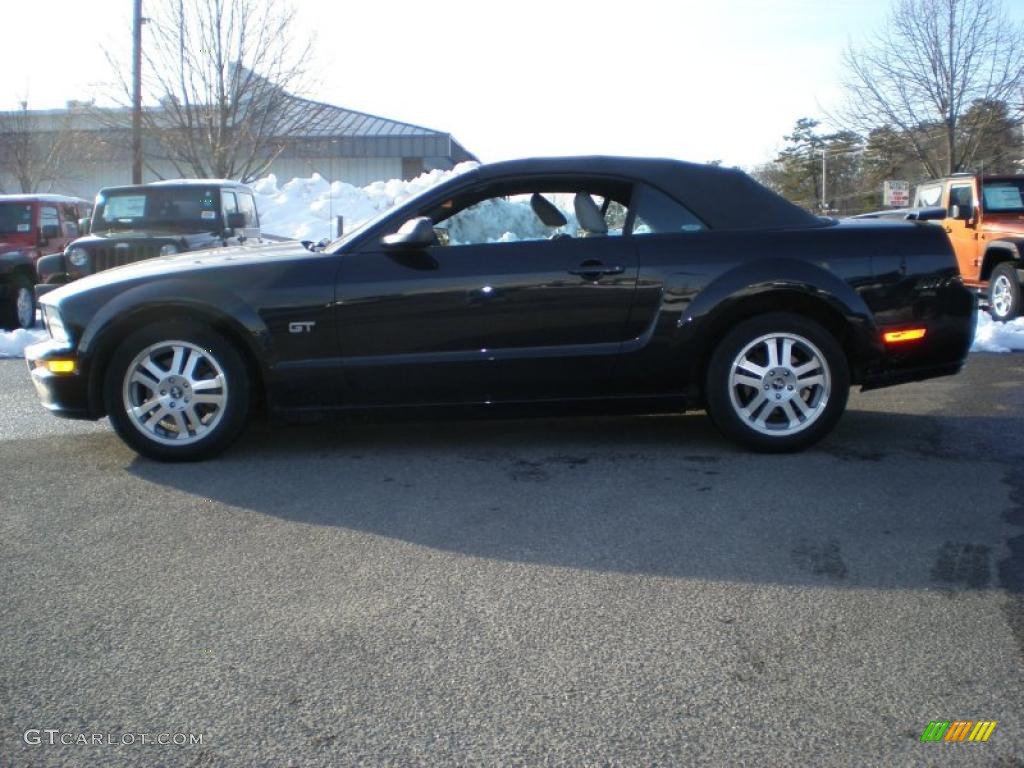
<point x="64" y="394"/>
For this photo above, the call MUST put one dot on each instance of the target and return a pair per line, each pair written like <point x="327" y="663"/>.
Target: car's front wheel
<point x="777" y="382"/>
<point x="1004" y="299"/>
<point x="177" y="391"/>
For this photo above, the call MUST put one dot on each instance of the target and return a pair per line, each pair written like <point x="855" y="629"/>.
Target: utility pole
<point x="824" y="180"/>
<point x="137" y="93"/>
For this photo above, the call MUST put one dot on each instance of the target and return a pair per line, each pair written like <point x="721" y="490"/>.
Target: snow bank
<point x="13" y="343"/>
<point x="305" y="208"/>
<point x="998" y="337"/>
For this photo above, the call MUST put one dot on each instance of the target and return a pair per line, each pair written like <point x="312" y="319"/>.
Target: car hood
<point x="1004" y="223"/>
<point x="9" y="243"/>
<point x="138" y="236"/>
<point x="184" y="265"/>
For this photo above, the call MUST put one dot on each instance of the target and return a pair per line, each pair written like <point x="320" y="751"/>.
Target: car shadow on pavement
<point x="881" y="503"/>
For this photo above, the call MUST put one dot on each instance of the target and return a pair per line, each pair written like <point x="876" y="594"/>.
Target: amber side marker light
<point x="909" y="334"/>
<point x="57" y="366"/>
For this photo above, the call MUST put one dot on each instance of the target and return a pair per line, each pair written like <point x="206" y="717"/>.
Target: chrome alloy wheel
<point x="26" y="307"/>
<point x="779" y="384"/>
<point x="1002" y="295"/>
<point x="175" y="392"/>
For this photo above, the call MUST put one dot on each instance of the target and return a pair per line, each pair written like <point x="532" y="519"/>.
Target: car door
<point x="229" y="203"/>
<point x="516" y="311"/>
<point x="49" y="228"/>
<point x="963" y="235"/>
<point x="69" y="215"/>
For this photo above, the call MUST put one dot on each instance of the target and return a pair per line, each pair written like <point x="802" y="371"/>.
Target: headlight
<point x="55" y="324"/>
<point x="168" y="250"/>
<point x="78" y="257"/>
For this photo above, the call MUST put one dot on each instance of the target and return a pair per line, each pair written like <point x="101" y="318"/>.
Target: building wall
<point x="358" y="171"/>
<point x="85" y="179"/>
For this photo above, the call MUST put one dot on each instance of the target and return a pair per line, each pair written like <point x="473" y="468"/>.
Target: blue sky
<point x="695" y="80"/>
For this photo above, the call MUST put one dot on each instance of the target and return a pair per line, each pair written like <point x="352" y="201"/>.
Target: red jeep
<point x="31" y="226"/>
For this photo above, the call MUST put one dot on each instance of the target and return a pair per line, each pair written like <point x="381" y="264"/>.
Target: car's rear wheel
<point x="177" y="391"/>
<point x="1004" y="294"/>
<point x="19" y="310"/>
<point x="777" y="382"/>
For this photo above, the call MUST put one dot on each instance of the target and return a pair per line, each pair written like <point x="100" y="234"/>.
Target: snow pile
<point x="991" y="336"/>
<point x="305" y="208"/>
<point x="13" y="343"/>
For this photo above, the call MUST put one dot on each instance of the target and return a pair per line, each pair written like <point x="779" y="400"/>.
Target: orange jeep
<point x="984" y="218"/>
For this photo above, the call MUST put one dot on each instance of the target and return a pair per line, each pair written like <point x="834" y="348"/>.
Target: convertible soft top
<point x="724" y="198"/>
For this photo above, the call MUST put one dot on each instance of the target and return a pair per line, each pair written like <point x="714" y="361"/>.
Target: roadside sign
<point x="896" y="193"/>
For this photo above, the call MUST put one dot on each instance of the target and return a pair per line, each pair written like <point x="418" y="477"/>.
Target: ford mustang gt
<point x="591" y="283"/>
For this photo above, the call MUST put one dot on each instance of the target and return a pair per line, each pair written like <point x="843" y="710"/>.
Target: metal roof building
<point x="338" y="143"/>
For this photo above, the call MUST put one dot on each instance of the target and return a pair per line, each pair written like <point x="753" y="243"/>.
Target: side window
<point x="229" y="202"/>
<point x="247" y="206"/>
<point x="533" y="216"/>
<point x="70" y="224"/>
<point x="929" y="195"/>
<point x="658" y="214"/>
<point x="962" y="195"/>
<point x="49" y="221"/>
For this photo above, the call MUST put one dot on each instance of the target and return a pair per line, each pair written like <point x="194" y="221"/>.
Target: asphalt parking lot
<point x="616" y="591"/>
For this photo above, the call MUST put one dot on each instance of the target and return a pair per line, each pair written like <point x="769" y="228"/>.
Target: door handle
<point x="595" y="269"/>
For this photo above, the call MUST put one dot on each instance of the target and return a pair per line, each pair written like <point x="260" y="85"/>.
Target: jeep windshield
<point x="15" y="218"/>
<point x="191" y="209"/>
<point x="1003" y="196"/>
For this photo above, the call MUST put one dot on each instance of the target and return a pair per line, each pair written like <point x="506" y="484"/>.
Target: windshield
<point x="1004" y="196"/>
<point x="15" y="218"/>
<point x="192" y="209"/>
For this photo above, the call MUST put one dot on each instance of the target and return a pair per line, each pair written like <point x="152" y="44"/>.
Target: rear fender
<point x="799" y="286"/>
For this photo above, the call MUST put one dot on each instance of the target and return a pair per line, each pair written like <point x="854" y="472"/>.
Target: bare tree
<point x="33" y="149"/>
<point x="926" y="67"/>
<point x="218" y="75"/>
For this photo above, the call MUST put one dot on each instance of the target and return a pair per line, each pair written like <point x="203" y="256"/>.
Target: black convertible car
<point x="652" y="285"/>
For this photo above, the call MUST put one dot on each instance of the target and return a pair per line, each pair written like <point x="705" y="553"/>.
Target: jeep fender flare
<point x="998" y="251"/>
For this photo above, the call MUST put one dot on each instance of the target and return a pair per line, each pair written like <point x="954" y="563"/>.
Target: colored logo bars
<point x="958" y="730"/>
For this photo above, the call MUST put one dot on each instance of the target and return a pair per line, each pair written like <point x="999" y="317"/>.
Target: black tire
<point x="784" y="428"/>
<point x="1004" y="299"/>
<point x="209" y="429"/>
<point x="19" y="290"/>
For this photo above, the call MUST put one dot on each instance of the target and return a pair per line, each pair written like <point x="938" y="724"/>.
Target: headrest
<point x="589" y="215"/>
<point x="546" y="211"/>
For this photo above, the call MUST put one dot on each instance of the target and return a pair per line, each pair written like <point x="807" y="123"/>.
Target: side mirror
<point x="415" y="233"/>
<point x="84" y="224"/>
<point x="236" y="220"/>
<point x="961" y="212"/>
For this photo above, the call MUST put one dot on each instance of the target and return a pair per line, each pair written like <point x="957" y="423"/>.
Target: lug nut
<point x="163" y="391"/>
<point x="790" y="387"/>
<point x="777" y="397"/>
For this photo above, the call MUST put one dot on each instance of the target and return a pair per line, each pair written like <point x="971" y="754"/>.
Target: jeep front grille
<point x="107" y="257"/>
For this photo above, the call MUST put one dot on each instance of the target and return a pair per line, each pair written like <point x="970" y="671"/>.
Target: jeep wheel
<point x="777" y="382"/>
<point x="19" y="311"/>
<point x="177" y="392"/>
<point x="1004" y="293"/>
